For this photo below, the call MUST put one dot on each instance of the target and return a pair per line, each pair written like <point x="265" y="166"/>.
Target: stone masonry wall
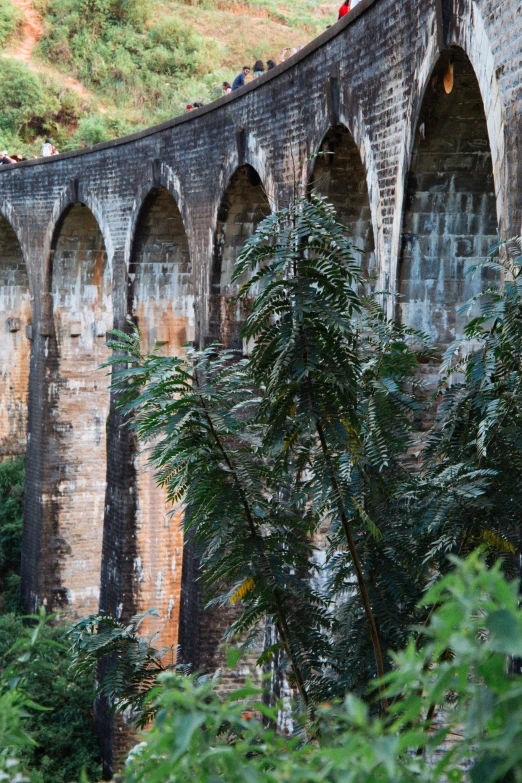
<point x="371" y="73"/>
<point x="450" y="212"/>
<point x="81" y="289"/>
<point x="15" y="309"/>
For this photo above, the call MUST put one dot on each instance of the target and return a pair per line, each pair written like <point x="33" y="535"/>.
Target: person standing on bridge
<point x="348" y="5"/>
<point x="48" y="149"/>
<point x="240" y="79"/>
<point x="343" y="10"/>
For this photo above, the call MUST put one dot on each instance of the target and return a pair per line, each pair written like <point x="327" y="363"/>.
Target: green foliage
<point x="340" y="393"/>
<point x="476" y="439"/>
<point x="11" y="18"/>
<point x="34" y="106"/>
<point x="15" y="701"/>
<point x="45" y="707"/>
<point x="308" y="434"/>
<point x="97" y="128"/>
<point x="12" y="473"/>
<point x="61" y="730"/>
<point x="131" y="664"/>
<point x="110" y="46"/>
<point x="453" y="705"/>
<point x="23" y="93"/>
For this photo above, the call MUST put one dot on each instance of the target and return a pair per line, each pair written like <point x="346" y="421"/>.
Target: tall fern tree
<point x="381" y="482"/>
<point x="308" y="436"/>
<point x="335" y="376"/>
<point x="253" y="524"/>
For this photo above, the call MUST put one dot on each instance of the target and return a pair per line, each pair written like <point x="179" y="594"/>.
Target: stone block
<point x="13" y="324"/>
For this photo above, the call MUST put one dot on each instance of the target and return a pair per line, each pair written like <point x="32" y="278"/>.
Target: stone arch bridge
<point x="150" y="225"/>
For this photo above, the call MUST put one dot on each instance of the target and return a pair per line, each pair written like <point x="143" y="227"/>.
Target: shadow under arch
<point x="15" y="347"/>
<point x="161" y="290"/>
<point x="164" y="178"/>
<point x="243" y="206"/>
<point x="450" y="214"/>
<point x="338" y="173"/>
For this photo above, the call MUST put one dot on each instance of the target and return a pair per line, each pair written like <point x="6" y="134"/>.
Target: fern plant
<point x="337" y="380"/>
<point x="380" y="480"/>
<point x="128" y="660"/>
<point x="476" y="443"/>
<point x="253" y="524"/>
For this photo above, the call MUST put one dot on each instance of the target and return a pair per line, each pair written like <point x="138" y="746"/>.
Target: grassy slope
<point x="141" y="61"/>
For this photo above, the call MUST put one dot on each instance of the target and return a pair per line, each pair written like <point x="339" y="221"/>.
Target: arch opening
<point x="161" y="292"/>
<point x="15" y="307"/>
<point x="161" y="302"/>
<point x="243" y="206"/>
<point x="339" y="175"/>
<point x="450" y="216"/>
<point x="78" y="397"/>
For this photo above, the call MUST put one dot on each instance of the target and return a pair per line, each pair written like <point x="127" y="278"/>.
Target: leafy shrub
<point x="111" y="47"/>
<point x="64" y="734"/>
<point x="15" y="703"/>
<point x="23" y="95"/>
<point x="10" y="19"/>
<point x="12" y="473"/>
<point x="131" y="663"/>
<point x="97" y="128"/>
<point x="454" y="705"/>
<point x="34" y="105"/>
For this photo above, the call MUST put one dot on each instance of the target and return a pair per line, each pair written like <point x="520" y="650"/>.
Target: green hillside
<point x="91" y="70"/>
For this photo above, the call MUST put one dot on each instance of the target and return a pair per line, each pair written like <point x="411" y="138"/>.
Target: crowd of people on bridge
<point x="248" y="74"/>
<point x="48" y="149"/>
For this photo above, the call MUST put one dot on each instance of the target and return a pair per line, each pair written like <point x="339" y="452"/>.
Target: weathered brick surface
<point x="371" y="74"/>
<point x="79" y="400"/>
<point x="243" y="207"/>
<point x="15" y="307"/>
<point x="339" y="175"/>
<point x="450" y="213"/>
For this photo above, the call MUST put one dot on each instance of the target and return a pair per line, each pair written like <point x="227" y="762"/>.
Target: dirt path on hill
<point x="30" y="33"/>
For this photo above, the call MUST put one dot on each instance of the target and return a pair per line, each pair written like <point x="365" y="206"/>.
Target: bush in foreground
<point x="58" y="711"/>
<point x="453" y="706"/>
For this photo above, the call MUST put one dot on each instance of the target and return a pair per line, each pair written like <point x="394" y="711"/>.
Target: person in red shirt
<point x="343" y="10"/>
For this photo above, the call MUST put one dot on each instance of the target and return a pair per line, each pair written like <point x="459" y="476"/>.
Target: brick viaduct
<point x="150" y="225"/>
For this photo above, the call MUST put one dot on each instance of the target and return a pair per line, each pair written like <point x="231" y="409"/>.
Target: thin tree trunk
<point x="361" y="581"/>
